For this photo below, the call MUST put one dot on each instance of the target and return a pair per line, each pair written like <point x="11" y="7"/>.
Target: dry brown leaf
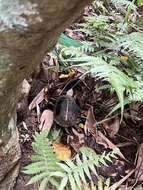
<point x="112" y="127"/>
<point x="37" y="100"/>
<point x="101" y="139"/>
<point x="46" y="120"/>
<point x="76" y="36"/>
<point x="77" y="140"/>
<point x="119" y="183"/>
<point x="90" y="124"/>
<point x="62" y="151"/>
<point x="50" y="67"/>
<point x="139" y="167"/>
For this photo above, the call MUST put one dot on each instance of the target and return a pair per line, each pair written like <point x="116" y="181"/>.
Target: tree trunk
<point x="28" y="29"/>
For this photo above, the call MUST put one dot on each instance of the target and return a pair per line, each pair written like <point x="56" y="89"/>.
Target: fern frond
<point x="101" y="185"/>
<point x="44" y="160"/>
<point x="95" y="65"/>
<point x="132" y="43"/>
<point x="124" y="3"/>
<point x="48" y="170"/>
<point x="86" y="47"/>
<point x="78" y="170"/>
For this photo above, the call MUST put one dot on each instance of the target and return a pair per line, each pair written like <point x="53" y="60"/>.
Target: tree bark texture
<point x="28" y="29"/>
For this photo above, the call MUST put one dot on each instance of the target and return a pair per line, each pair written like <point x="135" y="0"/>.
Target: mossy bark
<point x="28" y="29"/>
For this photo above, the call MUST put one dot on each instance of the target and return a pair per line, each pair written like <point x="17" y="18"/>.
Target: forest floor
<point x="87" y="123"/>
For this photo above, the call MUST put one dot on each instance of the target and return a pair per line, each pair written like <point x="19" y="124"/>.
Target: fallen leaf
<point x="46" y="120"/>
<point x="37" y="100"/>
<point x="68" y="75"/>
<point x="73" y="35"/>
<point x="50" y="67"/>
<point x="62" y="151"/>
<point x="77" y="140"/>
<point x="139" y="167"/>
<point x="90" y="124"/>
<point x="101" y="139"/>
<point x="81" y="125"/>
<point x="119" y="183"/>
<point x="112" y="127"/>
<point x="124" y="58"/>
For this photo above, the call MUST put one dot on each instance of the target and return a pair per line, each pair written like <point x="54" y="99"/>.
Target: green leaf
<point x="43" y="184"/>
<point x="77" y="179"/>
<point x="37" y="178"/>
<point x="72" y="181"/>
<point x="64" y="167"/>
<point x="139" y="2"/>
<point x="68" y="42"/>
<point x="63" y="183"/>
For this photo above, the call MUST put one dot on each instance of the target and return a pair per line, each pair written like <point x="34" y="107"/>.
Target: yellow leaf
<point x="124" y="58"/>
<point x="62" y="151"/>
<point x="81" y="125"/>
<point x="68" y="75"/>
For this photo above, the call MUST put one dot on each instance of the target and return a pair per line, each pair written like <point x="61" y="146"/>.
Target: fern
<point x="48" y="170"/>
<point x="109" y="72"/>
<point x="102" y="60"/>
<point x="78" y="170"/>
<point x="87" y="47"/>
<point x="124" y="3"/>
<point x="100" y="186"/>
<point x="132" y="43"/>
<point x="44" y="161"/>
<point x="96" y="27"/>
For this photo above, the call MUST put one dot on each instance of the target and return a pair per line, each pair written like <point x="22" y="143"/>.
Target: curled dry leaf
<point x="77" y="140"/>
<point x="46" y="120"/>
<point x="112" y="127"/>
<point x="119" y="183"/>
<point x="101" y="139"/>
<point x="50" y="67"/>
<point x="71" y="74"/>
<point x="62" y="151"/>
<point x="90" y="124"/>
<point x="73" y="35"/>
<point x="139" y="167"/>
<point x="37" y="100"/>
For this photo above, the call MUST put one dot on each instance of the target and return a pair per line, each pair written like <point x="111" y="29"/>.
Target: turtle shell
<point x="66" y="111"/>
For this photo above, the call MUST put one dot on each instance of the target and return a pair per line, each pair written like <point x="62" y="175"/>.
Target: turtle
<point x="66" y="111"/>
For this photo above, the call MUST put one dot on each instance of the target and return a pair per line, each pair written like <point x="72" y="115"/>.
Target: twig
<point x="116" y="185"/>
<point x="107" y="119"/>
<point x="137" y="176"/>
<point x="124" y="144"/>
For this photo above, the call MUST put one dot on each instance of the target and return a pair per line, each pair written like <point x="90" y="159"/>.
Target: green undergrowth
<point x="73" y="174"/>
<point x="112" y="50"/>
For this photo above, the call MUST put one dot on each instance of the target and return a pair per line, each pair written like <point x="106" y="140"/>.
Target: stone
<point x="28" y="29"/>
